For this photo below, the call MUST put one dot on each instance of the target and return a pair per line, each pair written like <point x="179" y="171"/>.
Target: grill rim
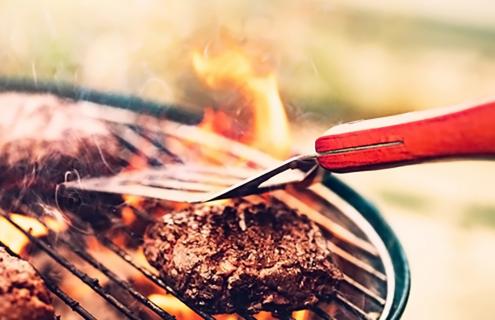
<point x="402" y="272"/>
<point x="123" y="101"/>
<point x="370" y="213"/>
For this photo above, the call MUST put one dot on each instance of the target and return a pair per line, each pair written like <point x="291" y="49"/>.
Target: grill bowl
<point x="378" y="277"/>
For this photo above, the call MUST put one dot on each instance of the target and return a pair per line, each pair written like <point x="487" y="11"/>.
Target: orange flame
<point x="181" y="311"/>
<point x="301" y="315"/>
<point x="267" y="129"/>
<point x="16" y="240"/>
<point x="173" y="305"/>
<point x="232" y="70"/>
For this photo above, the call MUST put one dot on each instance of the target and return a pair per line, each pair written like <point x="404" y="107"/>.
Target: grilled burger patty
<point x="23" y="294"/>
<point x="45" y="140"/>
<point x="242" y="256"/>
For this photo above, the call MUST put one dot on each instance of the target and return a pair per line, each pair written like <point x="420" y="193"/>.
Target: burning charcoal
<point x="23" y="294"/>
<point x="242" y="256"/>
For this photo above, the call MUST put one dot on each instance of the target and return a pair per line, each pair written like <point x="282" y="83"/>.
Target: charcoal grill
<point x="377" y="279"/>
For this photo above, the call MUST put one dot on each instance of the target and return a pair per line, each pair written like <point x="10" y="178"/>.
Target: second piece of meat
<point x="23" y="294"/>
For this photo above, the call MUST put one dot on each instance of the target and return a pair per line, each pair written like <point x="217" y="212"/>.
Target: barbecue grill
<point x="377" y="278"/>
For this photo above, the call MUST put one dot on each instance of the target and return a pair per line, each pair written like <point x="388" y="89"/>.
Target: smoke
<point x="44" y="142"/>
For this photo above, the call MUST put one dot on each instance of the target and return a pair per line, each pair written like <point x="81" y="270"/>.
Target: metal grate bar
<point x="139" y="144"/>
<point x="90" y="281"/>
<point x="343" y="254"/>
<point x="73" y="304"/>
<point x="351" y="306"/>
<point x="155" y="141"/>
<point x="152" y="161"/>
<point x="116" y="279"/>
<point x="350" y="281"/>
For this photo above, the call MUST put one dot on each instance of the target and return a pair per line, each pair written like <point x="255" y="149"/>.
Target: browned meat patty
<point x="43" y="141"/>
<point x="23" y="294"/>
<point x="242" y="256"/>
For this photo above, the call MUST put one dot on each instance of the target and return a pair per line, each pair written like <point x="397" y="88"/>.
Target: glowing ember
<point x="137" y="162"/>
<point x="173" y="305"/>
<point x="133" y="200"/>
<point x="219" y="122"/>
<point x="301" y="315"/>
<point x="181" y="311"/>
<point x="140" y="258"/>
<point x="16" y="240"/>
<point x="232" y="70"/>
<point x="264" y="316"/>
<point x="128" y="216"/>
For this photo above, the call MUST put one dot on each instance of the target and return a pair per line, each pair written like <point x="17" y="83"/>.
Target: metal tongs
<point x="456" y="132"/>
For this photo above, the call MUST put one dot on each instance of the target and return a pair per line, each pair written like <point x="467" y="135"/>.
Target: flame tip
<point x="231" y="69"/>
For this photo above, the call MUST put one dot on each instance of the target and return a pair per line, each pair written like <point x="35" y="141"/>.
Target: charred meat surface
<point x="46" y="140"/>
<point x="23" y="294"/>
<point x="243" y="256"/>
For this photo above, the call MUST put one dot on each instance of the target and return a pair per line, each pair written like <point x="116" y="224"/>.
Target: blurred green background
<point x="340" y="59"/>
<point x="336" y="61"/>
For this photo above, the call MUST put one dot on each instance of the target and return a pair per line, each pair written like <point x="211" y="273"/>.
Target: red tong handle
<point x="409" y="138"/>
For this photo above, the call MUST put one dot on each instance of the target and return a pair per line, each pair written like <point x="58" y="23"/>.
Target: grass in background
<point x="415" y="203"/>
<point x="335" y="62"/>
<point x="479" y="215"/>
